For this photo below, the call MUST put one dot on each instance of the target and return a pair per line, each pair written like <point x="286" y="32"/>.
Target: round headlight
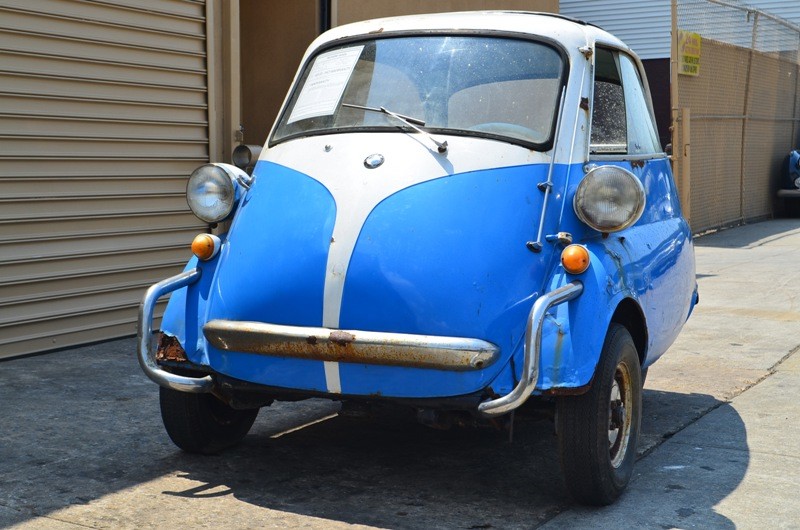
<point x="211" y="193"/>
<point x="609" y="199"/>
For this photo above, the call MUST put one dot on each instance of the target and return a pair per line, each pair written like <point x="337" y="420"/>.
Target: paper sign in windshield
<point x="325" y="84"/>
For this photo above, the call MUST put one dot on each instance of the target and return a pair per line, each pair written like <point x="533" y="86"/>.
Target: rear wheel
<point x="598" y="431"/>
<point x="201" y="423"/>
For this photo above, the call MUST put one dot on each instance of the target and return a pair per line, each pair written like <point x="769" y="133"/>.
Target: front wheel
<point x="598" y="431"/>
<point x="201" y="423"/>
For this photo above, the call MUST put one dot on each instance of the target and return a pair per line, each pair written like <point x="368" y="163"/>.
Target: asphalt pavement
<point x="82" y="445"/>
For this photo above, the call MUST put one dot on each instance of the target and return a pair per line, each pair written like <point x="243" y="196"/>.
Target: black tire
<point x="201" y="423"/>
<point x="598" y="431"/>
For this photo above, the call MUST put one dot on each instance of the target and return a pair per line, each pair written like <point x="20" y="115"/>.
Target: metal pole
<point x="673" y="73"/>
<point x="745" y="111"/>
<point x="686" y="162"/>
<point x="324" y="15"/>
<point x="679" y="129"/>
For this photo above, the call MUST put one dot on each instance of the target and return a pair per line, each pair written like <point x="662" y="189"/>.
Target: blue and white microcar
<point x="455" y="213"/>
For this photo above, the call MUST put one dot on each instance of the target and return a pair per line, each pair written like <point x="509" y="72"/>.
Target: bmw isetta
<point x="455" y="213"/>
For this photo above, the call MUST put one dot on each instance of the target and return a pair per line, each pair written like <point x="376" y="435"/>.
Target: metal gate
<point x="103" y="114"/>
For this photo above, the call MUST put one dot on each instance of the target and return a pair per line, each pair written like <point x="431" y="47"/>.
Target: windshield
<point x="497" y="87"/>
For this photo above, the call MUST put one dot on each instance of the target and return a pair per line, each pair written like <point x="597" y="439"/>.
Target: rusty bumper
<point x="352" y="346"/>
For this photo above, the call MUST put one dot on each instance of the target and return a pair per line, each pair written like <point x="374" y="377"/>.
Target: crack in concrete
<point x="737" y="392"/>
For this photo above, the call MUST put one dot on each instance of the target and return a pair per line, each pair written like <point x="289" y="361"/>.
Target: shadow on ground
<point x="751" y="235"/>
<point x="83" y="424"/>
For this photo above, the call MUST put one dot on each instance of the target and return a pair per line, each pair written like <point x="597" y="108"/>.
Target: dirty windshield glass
<point x="501" y="88"/>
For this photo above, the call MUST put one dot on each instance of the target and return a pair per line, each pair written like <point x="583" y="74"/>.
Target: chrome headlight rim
<point x="580" y="198"/>
<point x="213" y="183"/>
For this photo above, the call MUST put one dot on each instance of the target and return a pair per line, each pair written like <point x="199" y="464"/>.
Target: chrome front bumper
<point x="147" y="353"/>
<point x="393" y="349"/>
<point x="352" y="346"/>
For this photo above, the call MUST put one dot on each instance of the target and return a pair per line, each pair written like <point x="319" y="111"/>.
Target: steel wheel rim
<point x="620" y="415"/>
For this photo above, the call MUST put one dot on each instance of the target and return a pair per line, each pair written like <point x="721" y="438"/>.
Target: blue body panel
<point x="651" y="262"/>
<point x="404" y="276"/>
<point x="272" y="267"/>
<point x="447" y="257"/>
<point x="443" y="257"/>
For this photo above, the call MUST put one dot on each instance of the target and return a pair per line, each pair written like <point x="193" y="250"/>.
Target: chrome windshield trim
<point x="147" y="350"/>
<point x="352" y="346"/>
<point x="621" y="157"/>
<point x="533" y="345"/>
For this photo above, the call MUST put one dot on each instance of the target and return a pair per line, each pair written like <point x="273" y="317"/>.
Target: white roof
<point x="570" y="33"/>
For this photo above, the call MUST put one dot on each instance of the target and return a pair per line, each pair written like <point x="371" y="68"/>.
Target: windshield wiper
<point x="414" y="123"/>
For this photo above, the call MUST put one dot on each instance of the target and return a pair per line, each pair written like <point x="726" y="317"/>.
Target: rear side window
<point x="621" y="119"/>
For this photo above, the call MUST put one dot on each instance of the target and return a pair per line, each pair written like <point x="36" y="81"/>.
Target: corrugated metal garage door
<point x="103" y="115"/>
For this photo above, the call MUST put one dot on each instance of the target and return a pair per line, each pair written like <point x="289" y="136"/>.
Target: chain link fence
<point x="736" y="114"/>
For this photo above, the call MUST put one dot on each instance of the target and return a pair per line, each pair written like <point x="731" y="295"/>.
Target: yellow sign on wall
<point x="689" y="53"/>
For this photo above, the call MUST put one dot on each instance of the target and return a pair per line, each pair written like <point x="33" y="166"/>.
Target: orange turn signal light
<point x="205" y="246"/>
<point x="575" y="259"/>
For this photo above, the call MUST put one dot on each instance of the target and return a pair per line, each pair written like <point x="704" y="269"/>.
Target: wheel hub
<point x="617" y="415"/>
<point x="619" y="420"/>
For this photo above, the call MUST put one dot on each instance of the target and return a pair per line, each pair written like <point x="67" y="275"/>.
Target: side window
<point x="642" y="138"/>
<point x="621" y="119"/>
<point x="609" y="125"/>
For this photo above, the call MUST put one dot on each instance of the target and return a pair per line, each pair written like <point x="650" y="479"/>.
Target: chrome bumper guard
<point x="147" y="353"/>
<point x="533" y="345"/>
<point x="352" y="346"/>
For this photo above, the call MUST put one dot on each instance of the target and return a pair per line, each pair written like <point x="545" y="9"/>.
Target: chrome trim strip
<point x="533" y="341"/>
<point x="548" y="185"/>
<point x="147" y="351"/>
<point x="610" y="157"/>
<point x="352" y="346"/>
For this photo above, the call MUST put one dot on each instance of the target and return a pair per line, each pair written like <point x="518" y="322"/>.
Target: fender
<point x="573" y="334"/>
<point x="185" y="314"/>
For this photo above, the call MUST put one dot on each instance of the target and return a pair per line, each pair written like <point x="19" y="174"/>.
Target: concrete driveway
<point x="82" y="445"/>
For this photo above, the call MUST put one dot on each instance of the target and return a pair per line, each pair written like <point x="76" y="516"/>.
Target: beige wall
<point x="345" y="11"/>
<point x="274" y="36"/>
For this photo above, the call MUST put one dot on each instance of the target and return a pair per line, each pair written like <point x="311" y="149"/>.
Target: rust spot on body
<point x="312" y="340"/>
<point x="169" y="349"/>
<point x="567" y="391"/>
<point x="558" y="352"/>
<point x="342" y="338"/>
